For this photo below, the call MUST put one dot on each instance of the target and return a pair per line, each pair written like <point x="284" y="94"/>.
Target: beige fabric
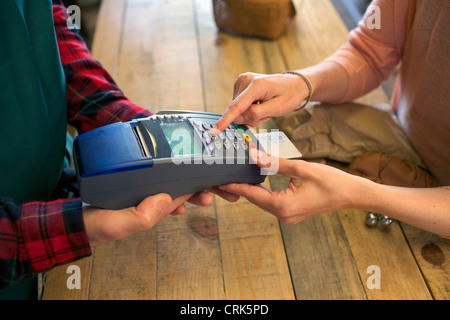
<point x="391" y="171"/>
<point x="345" y="132"/>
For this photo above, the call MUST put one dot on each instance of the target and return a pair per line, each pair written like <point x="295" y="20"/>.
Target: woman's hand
<point x="257" y="97"/>
<point x="313" y="189"/>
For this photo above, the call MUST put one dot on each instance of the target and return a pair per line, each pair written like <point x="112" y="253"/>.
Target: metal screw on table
<point x="371" y="219"/>
<point x="384" y="221"/>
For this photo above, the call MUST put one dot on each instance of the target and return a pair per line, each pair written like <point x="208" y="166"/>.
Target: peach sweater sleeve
<point x="371" y="54"/>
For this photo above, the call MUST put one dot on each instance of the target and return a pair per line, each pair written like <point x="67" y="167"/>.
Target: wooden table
<point x="169" y="55"/>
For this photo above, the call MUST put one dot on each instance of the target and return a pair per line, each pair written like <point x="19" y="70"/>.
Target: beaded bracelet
<point x="308" y="83"/>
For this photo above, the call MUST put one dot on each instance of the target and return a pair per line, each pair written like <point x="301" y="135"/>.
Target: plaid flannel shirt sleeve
<point x="38" y="236"/>
<point x="94" y="99"/>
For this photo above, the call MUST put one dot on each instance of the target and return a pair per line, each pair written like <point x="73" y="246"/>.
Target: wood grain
<point x="189" y="258"/>
<point x="253" y="256"/>
<point x="158" y="65"/>
<point x="401" y="278"/>
<point x="432" y="254"/>
<point x="108" y="33"/>
<point x="56" y="282"/>
<point x="125" y="269"/>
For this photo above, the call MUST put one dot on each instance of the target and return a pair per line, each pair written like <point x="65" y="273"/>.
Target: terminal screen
<point x="181" y="139"/>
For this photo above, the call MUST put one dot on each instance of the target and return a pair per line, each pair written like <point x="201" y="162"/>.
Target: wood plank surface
<point x="158" y="66"/>
<point x="56" y="282"/>
<point x="189" y="256"/>
<point x="253" y="256"/>
<point x="432" y="254"/>
<point x="125" y="269"/>
<point x="108" y="33"/>
<point x="401" y="278"/>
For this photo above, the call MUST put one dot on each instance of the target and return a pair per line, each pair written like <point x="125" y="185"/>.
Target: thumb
<point x="154" y="208"/>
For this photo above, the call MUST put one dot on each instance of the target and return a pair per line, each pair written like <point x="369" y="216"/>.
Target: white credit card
<point x="276" y="143"/>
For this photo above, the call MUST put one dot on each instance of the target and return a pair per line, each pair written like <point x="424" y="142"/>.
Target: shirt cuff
<point x="54" y="234"/>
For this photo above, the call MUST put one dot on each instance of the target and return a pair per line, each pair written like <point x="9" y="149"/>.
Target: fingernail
<point x="163" y="203"/>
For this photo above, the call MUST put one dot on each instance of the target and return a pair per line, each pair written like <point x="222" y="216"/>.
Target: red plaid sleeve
<point x="38" y="236"/>
<point x="94" y="98"/>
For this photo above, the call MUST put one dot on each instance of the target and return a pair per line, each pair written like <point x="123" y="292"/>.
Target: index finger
<point x="236" y="108"/>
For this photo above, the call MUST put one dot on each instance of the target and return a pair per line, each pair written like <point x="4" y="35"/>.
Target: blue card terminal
<point x="172" y="152"/>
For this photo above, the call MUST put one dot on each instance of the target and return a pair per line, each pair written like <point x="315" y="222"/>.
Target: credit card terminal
<point x="172" y="152"/>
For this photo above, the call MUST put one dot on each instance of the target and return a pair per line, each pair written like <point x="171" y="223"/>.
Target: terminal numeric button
<point x="205" y="126"/>
<point x="218" y="145"/>
<point x="207" y="138"/>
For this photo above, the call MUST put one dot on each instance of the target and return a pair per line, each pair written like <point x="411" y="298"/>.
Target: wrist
<point x="329" y="80"/>
<point x="305" y="85"/>
<point x="362" y="194"/>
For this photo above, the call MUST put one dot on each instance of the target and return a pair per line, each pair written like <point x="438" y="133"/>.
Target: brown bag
<point x="380" y="168"/>
<point x="255" y="18"/>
